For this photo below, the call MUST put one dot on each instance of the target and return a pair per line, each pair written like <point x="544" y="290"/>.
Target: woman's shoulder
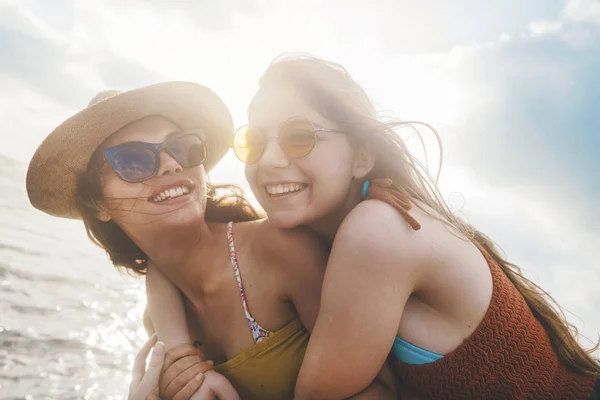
<point x="378" y="224"/>
<point x="437" y="251"/>
<point x="377" y="228"/>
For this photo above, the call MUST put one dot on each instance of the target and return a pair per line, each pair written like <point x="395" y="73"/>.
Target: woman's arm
<point x="166" y="309"/>
<point x="304" y="267"/>
<point x="383" y="387"/>
<point x="375" y="263"/>
<point x="166" y="313"/>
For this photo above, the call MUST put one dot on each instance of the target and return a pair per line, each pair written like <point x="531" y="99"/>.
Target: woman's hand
<point x="144" y="383"/>
<point x="184" y="371"/>
<point x="216" y="387"/>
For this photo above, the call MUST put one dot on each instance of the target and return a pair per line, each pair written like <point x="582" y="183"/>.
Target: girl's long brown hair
<point x="339" y="98"/>
<point x="224" y="203"/>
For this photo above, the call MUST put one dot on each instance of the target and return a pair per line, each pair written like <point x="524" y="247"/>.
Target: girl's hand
<point x="216" y="387"/>
<point x="144" y="383"/>
<point x="183" y="372"/>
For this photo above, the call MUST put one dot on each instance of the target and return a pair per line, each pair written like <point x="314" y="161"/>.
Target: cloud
<point x="543" y="28"/>
<point x="583" y="11"/>
<point x="26" y="117"/>
<point x="523" y="154"/>
<point x="34" y="55"/>
<point x="431" y="26"/>
<point x="215" y="16"/>
<point x="531" y="121"/>
<point x="46" y="78"/>
<point x="44" y="60"/>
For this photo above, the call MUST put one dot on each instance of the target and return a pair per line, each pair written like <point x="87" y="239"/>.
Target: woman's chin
<point x="285" y="220"/>
<point x="181" y="215"/>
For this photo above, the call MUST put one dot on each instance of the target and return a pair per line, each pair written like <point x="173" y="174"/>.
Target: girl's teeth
<point x="171" y="193"/>
<point x="280" y="189"/>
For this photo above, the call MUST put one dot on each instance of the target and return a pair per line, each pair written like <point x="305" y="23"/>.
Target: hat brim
<point x="59" y="160"/>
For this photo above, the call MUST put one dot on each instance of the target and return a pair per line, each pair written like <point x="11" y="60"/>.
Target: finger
<point x="190" y="388"/>
<point x="223" y="388"/>
<point x="177" y="352"/>
<point x="180" y="366"/>
<point x="177" y="382"/>
<point x="150" y="380"/>
<point x="139" y="365"/>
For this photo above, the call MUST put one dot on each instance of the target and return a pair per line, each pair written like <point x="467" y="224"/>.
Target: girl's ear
<point x="364" y="160"/>
<point x="103" y="216"/>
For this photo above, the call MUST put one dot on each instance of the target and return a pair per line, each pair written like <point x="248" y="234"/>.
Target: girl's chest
<point x="221" y="319"/>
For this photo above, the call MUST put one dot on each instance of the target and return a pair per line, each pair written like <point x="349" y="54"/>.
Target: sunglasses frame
<point x="156" y="148"/>
<point x="316" y="129"/>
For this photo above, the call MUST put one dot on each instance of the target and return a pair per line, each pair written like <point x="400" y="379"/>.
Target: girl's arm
<point x="167" y="312"/>
<point x="306" y="258"/>
<point x="383" y="387"/>
<point x="374" y="266"/>
<point x="166" y="309"/>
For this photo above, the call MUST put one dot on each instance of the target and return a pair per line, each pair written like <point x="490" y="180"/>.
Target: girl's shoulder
<point x="378" y="230"/>
<point x="377" y="219"/>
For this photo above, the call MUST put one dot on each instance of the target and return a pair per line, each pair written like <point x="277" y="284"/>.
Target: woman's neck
<point x="328" y="226"/>
<point x="176" y="251"/>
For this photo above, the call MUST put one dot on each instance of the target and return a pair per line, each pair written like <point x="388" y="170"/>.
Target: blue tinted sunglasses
<point x="139" y="161"/>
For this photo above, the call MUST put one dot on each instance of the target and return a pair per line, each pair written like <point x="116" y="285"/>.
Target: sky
<point x="512" y="86"/>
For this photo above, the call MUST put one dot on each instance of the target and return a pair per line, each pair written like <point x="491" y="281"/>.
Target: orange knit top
<point x="509" y="356"/>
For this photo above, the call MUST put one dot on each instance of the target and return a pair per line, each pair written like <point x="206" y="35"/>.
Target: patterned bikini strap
<point x="258" y="332"/>
<point x="383" y="189"/>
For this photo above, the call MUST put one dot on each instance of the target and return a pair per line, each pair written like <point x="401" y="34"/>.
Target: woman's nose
<point x="273" y="156"/>
<point x="168" y="165"/>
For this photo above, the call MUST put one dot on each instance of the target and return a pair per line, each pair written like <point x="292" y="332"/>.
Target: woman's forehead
<point x="271" y="107"/>
<point x="152" y="129"/>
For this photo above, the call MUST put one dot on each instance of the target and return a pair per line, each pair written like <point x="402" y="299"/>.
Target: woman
<point x="405" y="275"/>
<point x="132" y="166"/>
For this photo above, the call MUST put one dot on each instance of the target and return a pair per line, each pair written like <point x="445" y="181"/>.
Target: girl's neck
<point x="176" y="251"/>
<point x="328" y="226"/>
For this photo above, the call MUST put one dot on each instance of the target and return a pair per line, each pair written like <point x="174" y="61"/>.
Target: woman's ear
<point x="102" y="214"/>
<point x="364" y="160"/>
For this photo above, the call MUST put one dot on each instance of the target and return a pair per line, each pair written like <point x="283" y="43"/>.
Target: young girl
<point x="405" y="275"/>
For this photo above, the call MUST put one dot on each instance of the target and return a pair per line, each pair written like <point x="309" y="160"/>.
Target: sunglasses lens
<point x="297" y="138"/>
<point x="249" y="144"/>
<point x="134" y="164"/>
<point x="188" y="150"/>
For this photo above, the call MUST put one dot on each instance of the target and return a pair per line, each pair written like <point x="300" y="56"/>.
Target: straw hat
<point x="65" y="153"/>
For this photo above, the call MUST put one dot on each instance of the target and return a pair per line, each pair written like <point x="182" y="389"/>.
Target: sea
<point x="70" y="324"/>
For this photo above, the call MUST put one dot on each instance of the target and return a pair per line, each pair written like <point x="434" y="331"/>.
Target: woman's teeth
<point x="284" y="188"/>
<point x="170" y="194"/>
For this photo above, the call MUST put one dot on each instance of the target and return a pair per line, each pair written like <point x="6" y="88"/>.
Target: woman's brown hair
<point x="339" y="98"/>
<point x="224" y="203"/>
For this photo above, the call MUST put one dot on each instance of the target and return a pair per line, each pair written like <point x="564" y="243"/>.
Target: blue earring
<point x="365" y="190"/>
